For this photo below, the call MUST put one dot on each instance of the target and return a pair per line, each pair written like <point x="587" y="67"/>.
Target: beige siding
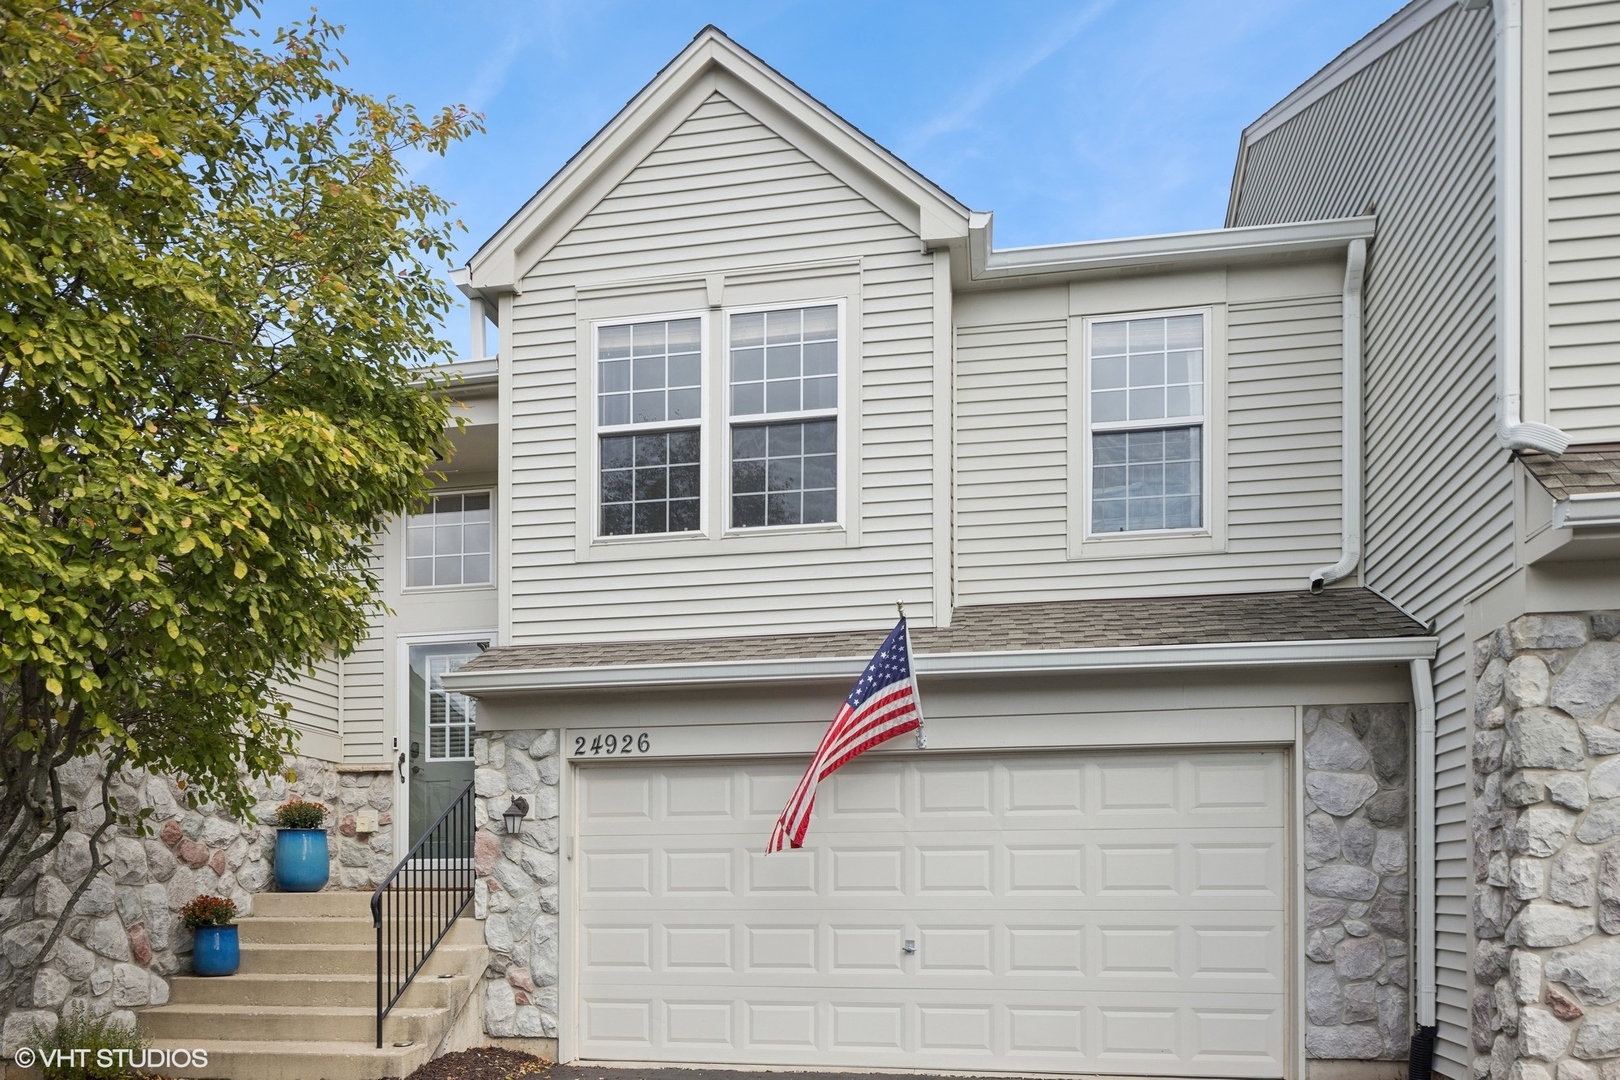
<point x="724" y="192"/>
<point x="1581" y="207"/>
<point x="315" y="699"/>
<point x="1411" y="134"/>
<point x="1282" y="457"/>
<point x="363" y="697"/>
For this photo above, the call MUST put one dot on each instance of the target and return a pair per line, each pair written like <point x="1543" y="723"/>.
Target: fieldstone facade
<point x="1357" y="847"/>
<point x="1546" y="839"/>
<point x="517" y="881"/>
<point x="125" y="936"/>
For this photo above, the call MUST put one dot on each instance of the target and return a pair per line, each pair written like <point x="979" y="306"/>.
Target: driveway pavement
<point x="621" y="1072"/>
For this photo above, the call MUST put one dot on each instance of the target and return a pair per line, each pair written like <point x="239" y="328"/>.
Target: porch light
<point x="516" y="811"/>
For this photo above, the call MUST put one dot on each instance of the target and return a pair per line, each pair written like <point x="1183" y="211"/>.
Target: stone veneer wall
<point x="517" y="881"/>
<point x="125" y="936"/>
<point x="1546" y="782"/>
<point x="1356" y="847"/>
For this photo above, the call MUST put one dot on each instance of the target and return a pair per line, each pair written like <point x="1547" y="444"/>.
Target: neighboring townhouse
<point x="1261" y="585"/>
<point x="1488" y="146"/>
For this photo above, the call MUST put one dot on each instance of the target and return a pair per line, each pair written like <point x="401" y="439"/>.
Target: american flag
<point x="883" y="704"/>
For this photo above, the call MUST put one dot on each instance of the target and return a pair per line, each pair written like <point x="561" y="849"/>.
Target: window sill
<point x="681" y="545"/>
<point x="1147" y="545"/>
<point x="429" y="590"/>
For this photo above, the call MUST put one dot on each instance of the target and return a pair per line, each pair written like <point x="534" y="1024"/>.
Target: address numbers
<point x="621" y="744"/>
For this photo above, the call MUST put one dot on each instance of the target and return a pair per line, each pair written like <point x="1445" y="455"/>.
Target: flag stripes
<point x="882" y="705"/>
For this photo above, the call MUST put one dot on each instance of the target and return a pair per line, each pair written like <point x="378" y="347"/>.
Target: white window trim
<point x="1209" y="537"/>
<point x="494" y="544"/>
<point x="593" y="451"/>
<point x="838" y="414"/>
<point x="750" y="288"/>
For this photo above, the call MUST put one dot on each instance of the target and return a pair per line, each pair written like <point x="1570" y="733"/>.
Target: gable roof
<point x="712" y="63"/>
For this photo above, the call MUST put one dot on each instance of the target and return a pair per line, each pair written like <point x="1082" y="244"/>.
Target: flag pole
<point x="916" y="694"/>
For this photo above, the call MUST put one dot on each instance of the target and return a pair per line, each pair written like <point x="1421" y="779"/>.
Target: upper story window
<point x="649" y="395"/>
<point x="1146" y="415"/>
<point x="784" y="416"/>
<point x="447" y="541"/>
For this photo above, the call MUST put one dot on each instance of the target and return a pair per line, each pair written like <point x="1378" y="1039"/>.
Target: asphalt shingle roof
<point x="1580" y="470"/>
<point x="1074" y="624"/>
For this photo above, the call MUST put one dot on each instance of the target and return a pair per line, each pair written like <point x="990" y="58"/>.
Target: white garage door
<point x="1058" y="912"/>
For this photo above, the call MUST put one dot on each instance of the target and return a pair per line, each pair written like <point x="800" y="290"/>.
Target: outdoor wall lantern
<point x="516" y="811"/>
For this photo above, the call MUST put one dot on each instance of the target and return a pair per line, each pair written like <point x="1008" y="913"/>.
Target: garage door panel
<point x="1066" y="912"/>
<point x="1148" y="867"/>
<point x="1121" y="1034"/>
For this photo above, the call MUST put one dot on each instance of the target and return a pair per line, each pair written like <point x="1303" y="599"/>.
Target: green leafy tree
<point x="216" y="307"/>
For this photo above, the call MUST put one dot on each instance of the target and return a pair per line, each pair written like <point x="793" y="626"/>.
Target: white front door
<point x="1064" y="912"/>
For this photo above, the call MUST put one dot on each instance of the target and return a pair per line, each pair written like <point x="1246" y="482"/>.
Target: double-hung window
<point x="1147" y="423"/>
<point x="783" y="369"/>
<point x="649" y="402"/>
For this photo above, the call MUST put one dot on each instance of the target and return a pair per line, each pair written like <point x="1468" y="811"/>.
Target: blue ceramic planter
<point x="215" y="951"/>
<point x="301" y="860"/>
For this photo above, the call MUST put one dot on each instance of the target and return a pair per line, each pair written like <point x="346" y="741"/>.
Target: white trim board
<point x="1125" y="658"/>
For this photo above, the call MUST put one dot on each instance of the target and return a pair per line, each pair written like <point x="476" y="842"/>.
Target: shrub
<point x="78" y="1030"/>
<point x="208" y="911"/>
<point x="295" y="813"/>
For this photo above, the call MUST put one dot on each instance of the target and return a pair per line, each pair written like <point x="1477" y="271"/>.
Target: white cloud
<point x="1001" y="75"/>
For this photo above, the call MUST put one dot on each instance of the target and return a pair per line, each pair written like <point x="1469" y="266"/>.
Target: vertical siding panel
<point x="1410" y="135"/>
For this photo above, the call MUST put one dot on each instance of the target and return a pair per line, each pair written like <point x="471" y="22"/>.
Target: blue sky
<point x="1072" y="121"/>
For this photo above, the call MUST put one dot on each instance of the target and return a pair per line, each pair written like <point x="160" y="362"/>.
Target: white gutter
<point x="1596" y="511"/>
<point x="1049" y="661"/>
<point x="1511" y="430"/>
<point x="1170" y="249"/>
<point x="1355" y="270"/>
<point x="1423" y="880"/>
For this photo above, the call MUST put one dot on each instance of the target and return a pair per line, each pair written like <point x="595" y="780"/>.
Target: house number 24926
<point x="602" y="745"/>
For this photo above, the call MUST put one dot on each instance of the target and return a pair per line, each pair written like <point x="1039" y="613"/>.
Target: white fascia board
<point x="1049" y="662"/>
<point x="1169" y="249"/>
<point x="1597" y="511"/>
<point x="465" y="373"/>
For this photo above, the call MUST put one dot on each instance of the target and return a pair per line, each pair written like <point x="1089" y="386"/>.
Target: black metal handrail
<point x="416" y="905"/>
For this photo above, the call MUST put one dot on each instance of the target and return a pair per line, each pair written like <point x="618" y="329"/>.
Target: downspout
<point x="1355" y="268"/>
<point x="1423" y="881"/>
<point x="1511" y="430"/>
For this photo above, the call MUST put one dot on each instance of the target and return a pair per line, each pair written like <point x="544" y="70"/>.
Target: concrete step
<point x="302" y="1060"/>
<point x="299" y="930"/>
<point x="289" y="1023"/>
<point x="316" y="905"/>
<point x="439" y="990"/>
<point x="454" y="954"/>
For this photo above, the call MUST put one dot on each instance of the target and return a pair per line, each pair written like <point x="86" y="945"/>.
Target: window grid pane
<point x="1147" y="369"/>
<point x="451" y="718"/>
<point x="1147" y="479"/>
<point x="648" y="373"/>
<point x="447" y="542"/>
<point x="784" y="474"/>
<point x="784" y="361"/>
<point x="650" y="482"/>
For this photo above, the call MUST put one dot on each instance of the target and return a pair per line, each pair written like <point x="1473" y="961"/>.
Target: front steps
<point x="303" y="1005"/>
